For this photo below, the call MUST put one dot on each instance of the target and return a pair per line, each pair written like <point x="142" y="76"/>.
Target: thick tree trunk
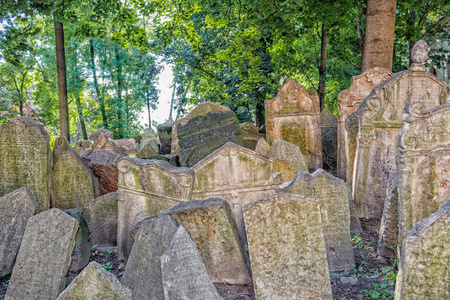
<point x="148" y="108"/>
<point x="62" y="82"/>
<point x="379" y="34"/>
<point x="171" y="100"/>
<point x="323" y="67"/>
<point x="80" y="115"/>
<point x="97" y="89"/>
<point x="119" y="93"/>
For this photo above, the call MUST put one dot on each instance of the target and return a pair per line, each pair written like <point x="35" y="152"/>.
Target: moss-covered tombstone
<point x="103" y="223"/>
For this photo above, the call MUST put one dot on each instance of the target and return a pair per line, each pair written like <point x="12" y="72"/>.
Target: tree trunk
<point x="119" y="93"/>
<point x="171" y="100"/>
<point x="80" y="115"/>
<point x="148" y="108"/>
<point x="323" y="67"/>
<point x="379" y="34"/>
<point x="62" y="82"/>
<point x="97" y="90"/>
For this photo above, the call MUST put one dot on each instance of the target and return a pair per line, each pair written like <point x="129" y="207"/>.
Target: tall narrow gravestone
<point x="25" y="159"/>
<point x="287" y="248"/>
<point x="147" y="188"/>
<point x="379" y="124"/>
<point x="294" y="116"/>
<point x="423" y="271"/>
<point x="424" y="157"/>
<point x="348" y="101"/>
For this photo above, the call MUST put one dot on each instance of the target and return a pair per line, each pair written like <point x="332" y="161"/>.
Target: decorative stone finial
<point x="419" y="55"/>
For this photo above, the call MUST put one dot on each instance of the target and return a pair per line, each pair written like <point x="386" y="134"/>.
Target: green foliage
<point x="360" y="243"/>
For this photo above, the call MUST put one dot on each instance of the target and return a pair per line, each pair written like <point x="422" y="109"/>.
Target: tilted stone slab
<point x="104" y="165"/>
<point x="44" y="256"/>
<point x="238" y="175"/>
<point x="61" y="145"/>
<point x="143" y="271"/>
<point x="262" y="147"/>
<point x="328" y="128"/>
<point x="294" y="116"/>
<point x="147" y="151"/>
<point x="25" y="159"/>
<point x="147" y="188"/>
<point x="99" y="133"/>
<point x="184" y="275"/>
<point x="348" y="101"/>
<point x="424" y="157"/>
<point x="379" y="124"/>
<point x="287" y="248"/>
<point x="334" y="198"/>
<point x="103" y="223"/>
<point x="74" y="183"/>
<point x="250" y="135"/>
<point x="423" y="271"/>
<point x="95" y="283"/>
<point x="15" y="210"/>
<point x="82" y="249"/>
<point x="165" y="137"/>
<point x="213" y="230"/>
<point x="290" y="152"/>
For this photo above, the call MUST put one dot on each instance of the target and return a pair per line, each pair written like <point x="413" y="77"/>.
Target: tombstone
<point x="212" y="228"/>
<point x="165" y="136"/>
<point x="95" y="283"/>
<point x="294" y="116"/>
<point x="44" y="256"/>
<point x="184" y="275"/>
<point x="348" y="102"/>
<point x="74" y="183"/>
<point x="61" y="145"/>
<point x="334" y="198"/>
<point x="200" y="110"/>
<point x="143" y="271"/>
<point x="131" y="153"/>
<point x="424" y="163"/>
<point x="99" y="133"/>
<point x="328" y="125"/>
<point x="111" y="146"/>
<point x="238" y="175"/>
<point x="15" y="210"/>
<point x="380" y="122"/>
<point x="423" y="271"/>
<point x="150" y="138"/>
<point x="82" y="249"/>
<point x="388" y="236"/>
<point x="287" y="248"/>
<point x="104" y="165"/>
<point x="127" y="143"/>
<point x="103" y="222"/>
<point x="202" y="135"/>
<point x="25" y="159"/>
<point x="250" y="135"/>
<point x="290" y="152"/>
<point x="147" y="188"/>
<point x="262" y="146"/>
<point x="146" y="151"/>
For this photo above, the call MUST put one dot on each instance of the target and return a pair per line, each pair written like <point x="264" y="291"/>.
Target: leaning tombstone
<point x="423" y="271"/>
<point x="82" y="249"/>
<point x="150" y="138"/>
<point x="61" y="145"/>
<point x="15" y="210"/>
<point x="424" y="158"/>
<point x="147" y="151"/>
<point x="147" y="188"/>
<point x="25" y="159"/>
<point x="184" y="275"/>
<point x="143" y="271"/>
<point x="262" y="146"/>
<point x="348" y="101"/>
<point x="95" y="283"/>
<point x="328" y="128"/>
<point x="250" y="135"/>
<point x="99" y="133"/>
<point x="379" y="124"/>
<point x="103" y="220"/>
<point x="287" y="248"/>
<point x="44" y="256"/>
<point x="287" y="151"/>
<point x="104" y="165"/>
<point x="212" y="228"/>
<point x="165" y="136"/>
<point x="333" y="195"/>
<point x="294" y="116"/>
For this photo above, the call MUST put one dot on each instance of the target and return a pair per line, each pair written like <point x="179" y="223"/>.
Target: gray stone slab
<point x="388" y="236"/>
<point x="290" y="152"/>
<point x="82" y="249"/>
<point x="104" y="216"/>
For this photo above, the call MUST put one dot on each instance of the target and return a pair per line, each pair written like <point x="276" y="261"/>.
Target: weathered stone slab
<point x="127" y="143"/>
<point x="82" y="249"/>
<point x="334" y="198"/>
<point x="238" y="175"/>
<point x="147" y="188"/>
<point x="74" y="183"/>
<point x="15" y="210"/>
<point x="213" y="230"/>
<point x="165" y="137"/>
<point x="143" y="271"/>
<point x="348" y="101"/>
<point x="61" y="145"/>
<point x="104" y="165"/>
<point x="328" y="125"/>
<point x="147" y="151"/>
<point x="111" y="146"/>
<point x="184" y="275"/>
<point x="294" y="116"/>
<point x="150" y="138"/>
<point x="25" y="159"/>
<point x="95" y="283"/>
<point x="423" y="271"/>
<point x="101" y="132"/>
<point x="200" y="110"/>
<point x="103" y="222"/>
<point x="424" y="158"/>
<point x="290" y="152"/>
<point x="262" y="146"/>
<point x="250" y="135"/>
<point x="44" y="256"/>
<point x="287" y="248"/>
<point x="380" y="122"/>
<point x="388" y="236"/>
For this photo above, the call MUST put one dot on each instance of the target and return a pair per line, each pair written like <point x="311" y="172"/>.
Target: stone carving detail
<point x="294" y="116"/>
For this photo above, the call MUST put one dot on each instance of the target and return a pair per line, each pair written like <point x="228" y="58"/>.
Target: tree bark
<point x="323" y="67"/>
<point x="119" y="93"/>
<point x="97" y="89"/>
<point x="171" y="101"/>
<point x="80" y="115"/>
<point x="379" y="34"/>
<point x="148" y="108"/>
<point x="62" y="81"/>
